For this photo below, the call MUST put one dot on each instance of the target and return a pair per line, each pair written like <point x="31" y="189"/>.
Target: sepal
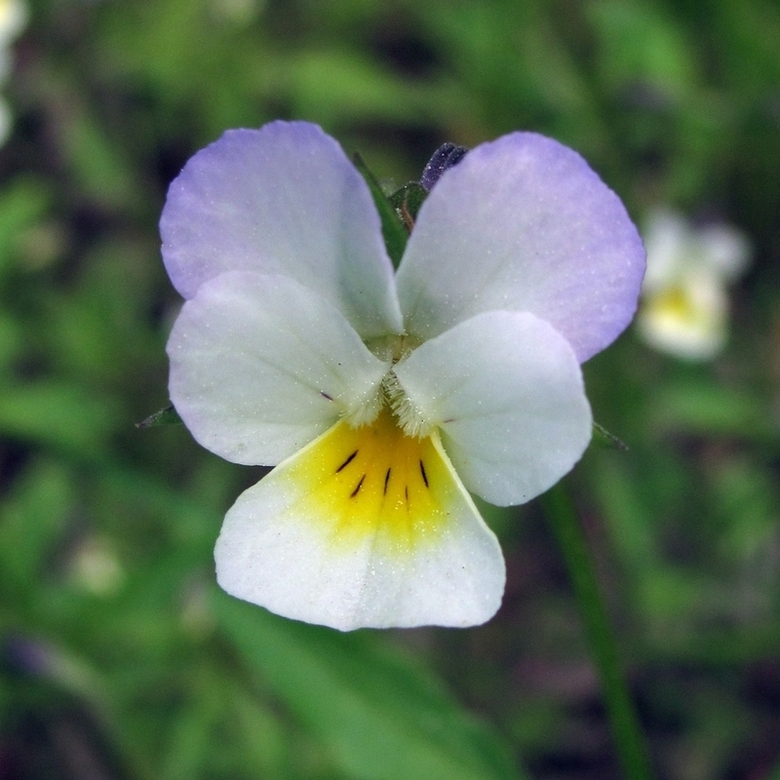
<point x="393" y="231"/>
<point x="166" y="416"/>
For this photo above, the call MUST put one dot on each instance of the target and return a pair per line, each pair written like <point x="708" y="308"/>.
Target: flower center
<point x="390" y="394"/>
<point x="375" y="480"/>
<point x="408" y="417"/>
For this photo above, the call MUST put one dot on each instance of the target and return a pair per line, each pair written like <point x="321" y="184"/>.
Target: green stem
<point x="631" y="747"/>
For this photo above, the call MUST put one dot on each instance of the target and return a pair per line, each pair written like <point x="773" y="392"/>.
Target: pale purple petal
<point x="523" y="224"/>
<point x="283" y="199"/>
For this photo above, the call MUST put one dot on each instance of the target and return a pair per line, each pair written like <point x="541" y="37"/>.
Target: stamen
<point x="410" y="419"/>
<point x="365" y="411"/>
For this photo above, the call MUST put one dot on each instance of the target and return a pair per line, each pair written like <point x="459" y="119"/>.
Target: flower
<point x="382" y="398"/>
<point x="685" y="304"/>
<point x="13" y="18"/>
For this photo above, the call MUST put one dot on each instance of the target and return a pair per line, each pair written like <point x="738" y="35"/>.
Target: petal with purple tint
<point x="523" y="224"/>
<point x="282" y="200"/>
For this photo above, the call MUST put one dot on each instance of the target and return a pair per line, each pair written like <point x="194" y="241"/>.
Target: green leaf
<point x="604" y="438"/>
<point x="35" y="512"/>
<point x="381" y="717"/>
<point x="166" y="416"/>
<point x="22" y="204"/>
<point x="706" y="408"/>
<point x="640" y="43"/>
<point x="407" y="202"/>
<point x="57" y="414"/>
<point x="393" y="230"/>
<point x="629" y="739"/>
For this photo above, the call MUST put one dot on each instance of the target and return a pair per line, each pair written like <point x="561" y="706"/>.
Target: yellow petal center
<point x="676" y="303"/>
<point x="376" y="481"/>
<point x="688" y="318"/>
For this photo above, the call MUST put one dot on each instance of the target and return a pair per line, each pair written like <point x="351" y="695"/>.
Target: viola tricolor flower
<point x="685" y="304"/>
<point x="382" y="398"/>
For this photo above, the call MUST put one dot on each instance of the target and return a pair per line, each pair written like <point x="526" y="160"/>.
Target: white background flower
<point x="13" y="18"/>
<point x="383" y="398"/>
<point x="685" y="306"/>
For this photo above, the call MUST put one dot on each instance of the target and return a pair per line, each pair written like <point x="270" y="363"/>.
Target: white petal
<point x="670" y="250"/>
<point x="363" y="528"/>
<point x="282" y="200"/>
<point x="523" y="224"/>
<point x="261" y="365"/>
<point x="676" y="248"/>
<point x="726" y="249"/>
<point x="506" y="390"/>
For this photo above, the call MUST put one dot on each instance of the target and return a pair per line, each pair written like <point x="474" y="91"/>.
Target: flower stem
<point x="630" y="743"/>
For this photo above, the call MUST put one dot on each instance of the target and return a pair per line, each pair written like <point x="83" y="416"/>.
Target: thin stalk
<point x="629" y="740"/>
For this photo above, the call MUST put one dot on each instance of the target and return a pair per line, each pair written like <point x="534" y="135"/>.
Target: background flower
<point x="13" y="18"/>
<point x="685" y="304"/>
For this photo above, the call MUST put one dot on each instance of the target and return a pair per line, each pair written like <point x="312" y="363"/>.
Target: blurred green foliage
<point x="120" y="659"/>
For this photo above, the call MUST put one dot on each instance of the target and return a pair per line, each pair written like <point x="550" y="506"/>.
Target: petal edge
<point x="523" y="224"/>
<point x="283" y="199"/>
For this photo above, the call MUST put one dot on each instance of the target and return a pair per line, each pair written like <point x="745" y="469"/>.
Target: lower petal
<point x="365" y="527"/>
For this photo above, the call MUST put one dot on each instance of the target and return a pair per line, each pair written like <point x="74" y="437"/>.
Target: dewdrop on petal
<point x="383" y="398"/>
<point x="684" y="307"/>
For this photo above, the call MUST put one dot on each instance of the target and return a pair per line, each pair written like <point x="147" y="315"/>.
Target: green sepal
<point x="604" y="438"/>
<point x="167" y="416"/>
<point x="407" y="202"/>
<point x="393" y="230"/>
